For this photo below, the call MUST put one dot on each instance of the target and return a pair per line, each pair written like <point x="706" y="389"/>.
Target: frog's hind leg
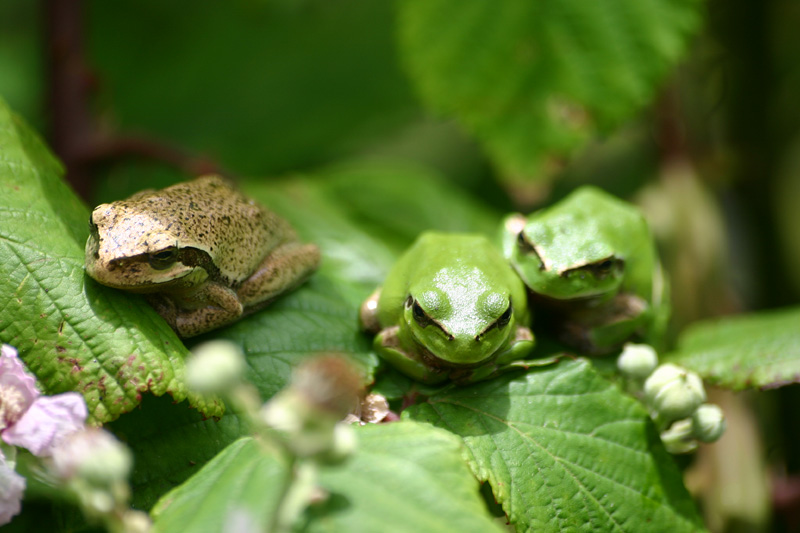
<point x="286" y="267"/>
<point x="222" y="307"/>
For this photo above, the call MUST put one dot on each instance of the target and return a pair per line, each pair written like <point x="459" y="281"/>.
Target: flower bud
<point x="343" y="445"/>
<point x="674" y="392"/>
<point x="137" y="522"/>
<point x="215" y="367"/>
<point x="637" y="361"/>
<point x="708" y="423"/>
<point x="679" y="438"/>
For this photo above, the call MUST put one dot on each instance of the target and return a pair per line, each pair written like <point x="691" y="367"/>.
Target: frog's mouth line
<point x="434" y="361"/>
<point x="125" y="277"/>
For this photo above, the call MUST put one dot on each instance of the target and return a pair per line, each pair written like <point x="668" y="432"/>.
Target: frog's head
<point x="136" y="251"/>
<point x="565" y="259"/>
<point x="462" y="325"/>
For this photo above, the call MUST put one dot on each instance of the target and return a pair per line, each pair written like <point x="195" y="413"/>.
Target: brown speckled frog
<point x="202" y="253"/>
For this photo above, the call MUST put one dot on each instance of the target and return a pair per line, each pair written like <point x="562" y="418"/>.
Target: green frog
<point x="450" y="308"/>
<point x="591" y="265"/>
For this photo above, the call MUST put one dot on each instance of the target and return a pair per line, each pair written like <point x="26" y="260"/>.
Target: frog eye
<point x="526" y="247"/>
<point x="505" y="318"/>
<point x="163" y="259"/>
<point x="602" y="269"/>
<point x="419" y="315"/>
<point x="523" y="243"/>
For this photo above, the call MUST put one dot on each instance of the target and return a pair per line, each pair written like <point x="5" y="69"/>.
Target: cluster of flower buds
<point x="89" y="463"/>
<point x="309" y="421"/>
<point x="675" y="397"/>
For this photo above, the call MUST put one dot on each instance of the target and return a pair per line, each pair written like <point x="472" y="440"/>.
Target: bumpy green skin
<point x="591" y="265"/>
<point x="450" y="308"/>
<point x="203" y="253"/>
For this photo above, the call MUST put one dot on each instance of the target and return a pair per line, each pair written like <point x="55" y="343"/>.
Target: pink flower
<point x="28" y="419"/>
<point x="17" y="388"/>
<point x="12" y="485"/>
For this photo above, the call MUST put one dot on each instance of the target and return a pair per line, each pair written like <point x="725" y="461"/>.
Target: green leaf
<point x="243" y="480"/>
<point x="397" y="201"/>
<point x="72" y="333"/>
<point x="535" y="79"/>
<point x="317" y="318"/>
<point x="564" y="449"/>
<point x="396" y="473"/>
<point x="749" y="351"/>
<point x="407" y="475"/>
<point x="170" y="443"/>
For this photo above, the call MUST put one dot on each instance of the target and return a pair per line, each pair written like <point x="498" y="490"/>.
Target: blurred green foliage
<point x="708" y="143"/>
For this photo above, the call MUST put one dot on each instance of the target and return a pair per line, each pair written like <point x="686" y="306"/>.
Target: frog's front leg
<point x="388" y="346"/>
<point x="286" y="267"/>
<point x="218" y="305"/>
<point x="519" y="348"/>
<point x="368" y="313"/>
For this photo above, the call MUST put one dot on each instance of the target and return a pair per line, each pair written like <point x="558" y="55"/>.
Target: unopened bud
<point x="637" y="361"/>
<point x="215" y="367"/>
<point x="674" y="392"/>
<point x="344" y="444"/>
<point x="708" y="423"/>
<point x="679" y="438"/>
<point x="136" y="522"/>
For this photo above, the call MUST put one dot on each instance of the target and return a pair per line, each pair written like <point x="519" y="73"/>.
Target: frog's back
<point x="589" y="213"/>
<point x="210" y="214"/>
<point x="590" y="223"/>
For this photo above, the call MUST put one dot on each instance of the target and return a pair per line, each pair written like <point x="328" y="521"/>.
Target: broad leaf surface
<point x="760" y="350"/>
<point x="397" y="471"/>
<point x="72" y="333"/>
<point x="404" y="477"/>
<point x="170" y="443"/>
<point x="564" y="449"/>
<point x="536" y="79"/>
<point x="396" y="202"/>
<point x="243" y="482"/>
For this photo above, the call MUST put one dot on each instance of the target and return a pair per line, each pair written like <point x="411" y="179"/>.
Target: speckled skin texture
<point x="203" y="252"/>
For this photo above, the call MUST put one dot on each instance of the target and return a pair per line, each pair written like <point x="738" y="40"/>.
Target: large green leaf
<point x="242" y="481"/>
<point x="407" y="475"/>
<point x="170" y="443"/>
<point x="748" y="351"/>
<point x="72" y="333"/>
<point x="397" y="201"/>
<point x="404" y="477"/>
<point x="564" y="449"/>
<point x="536" y="79"/>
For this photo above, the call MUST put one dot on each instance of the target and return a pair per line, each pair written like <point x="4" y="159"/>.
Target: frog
<point x="201" y="253"/>
<point x="451" y="308"/>
<point x="592" y="270"/>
